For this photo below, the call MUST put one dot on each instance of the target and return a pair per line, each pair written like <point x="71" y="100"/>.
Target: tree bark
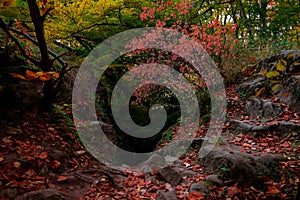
<point x="45" y="61"/>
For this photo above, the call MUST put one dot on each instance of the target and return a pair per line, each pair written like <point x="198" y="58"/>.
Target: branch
<point x="98" y="24"/>
<point x="62" y="62"/>
<point x="58" y="57"/>
<point x="3" y="25"/>
<point x="43" y="17"/>
<point x="63" y="46"/>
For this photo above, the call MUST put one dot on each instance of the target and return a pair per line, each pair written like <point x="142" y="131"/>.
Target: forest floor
<point x="39" y="151"/>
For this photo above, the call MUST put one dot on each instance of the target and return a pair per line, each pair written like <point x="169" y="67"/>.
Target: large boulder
<point x="240" y="166"/>
<point x="278" y="76"/>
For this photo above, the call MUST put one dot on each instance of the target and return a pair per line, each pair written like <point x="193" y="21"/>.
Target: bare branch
<point x="43" y="17"/>
<point x="3" y="25"/>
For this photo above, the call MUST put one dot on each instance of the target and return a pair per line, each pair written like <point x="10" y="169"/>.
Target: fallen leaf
<point x="39" y="73"/>
<point x="263" y="72"/>
<point x="56" y="75"/>
<point x="280" y="66"/>
<point x="17" y="76"/>
<point x="43" y="155"/>
<point x="272" y="190"/>
<point x="275" y="87"/>
<point x="31" y="75"/>
<point x="195" y="195"/>
<point x="62" y="178"/>
<point x="1" y="158"/>
<point x="80" y="152"/>
<point x="45" y="77"/>
<point x="260" y="91"/>
<point x="56" y="164"/>
<point x="272" y="74"/>
<point x="17" y="164"/>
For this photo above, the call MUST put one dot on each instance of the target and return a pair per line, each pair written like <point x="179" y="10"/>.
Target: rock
<point x="28" y="92"/>
<point x="288" y="90"/>
<point x="189" y="173"/>
<point x="11" y="193"/>
<point x="214" y="179"/>
<point x="155" y="162"/>
<point x="170" y="195"/>
<point x="171" y="159"/>
<point x="43" y="194"/>
<point x="250" y="87"/>
<point x="269" y="109"/>
<point x="253" y="107"/>
<point x="281" y="127"/>
<point x="240" y="166"/>
<point x="287" y="127"/>
<point x="170" y="175"/>
<point x="242" y="126"/>
<point x="199" y="187"/>
<point x="257" y="107"/>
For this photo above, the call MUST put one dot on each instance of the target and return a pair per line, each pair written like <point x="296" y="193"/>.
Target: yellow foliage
<point x="39" y="73"/>
<point x="275" y="87"/>
<point x="296" y="64"/>
<point x="280" y="66"/>
<point x="272" y="74"/>
<point x="80" y="16"/>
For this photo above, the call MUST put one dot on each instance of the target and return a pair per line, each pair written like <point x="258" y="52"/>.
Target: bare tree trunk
<point x="45" y="61"/>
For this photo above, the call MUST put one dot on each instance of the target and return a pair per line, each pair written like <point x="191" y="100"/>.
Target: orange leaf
<point x="31" y="75"/>
<point x="43" y="155"/>
<point x="17" y="164"/>
<point x="45" y="77"/>
<point x="17" y="76"/>
<point x="56" y="164"/>
<point x="62" y="178"/>
<point x="55" y="75"/>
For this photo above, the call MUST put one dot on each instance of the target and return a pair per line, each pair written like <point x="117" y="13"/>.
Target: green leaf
<point x="272" y="74"/>
<point x="280" y="66"/>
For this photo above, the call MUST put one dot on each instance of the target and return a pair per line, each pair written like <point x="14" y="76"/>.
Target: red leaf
<point x="43" y="155"/>
<point x="62" y="178"/>
<point x="195" y="195"/>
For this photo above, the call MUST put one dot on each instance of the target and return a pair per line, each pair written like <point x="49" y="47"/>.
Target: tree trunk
<point x="45" y="61"/>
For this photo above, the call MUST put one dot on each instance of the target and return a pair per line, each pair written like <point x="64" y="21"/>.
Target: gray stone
<point x="189" y="173"/>
<point x="199" y="187"/>
<point x="257" y="107"/>
<point x="239" y="165"/>
<point x="269" y="109"/>
<point x="170" y="195"/>
<point x="253" y="107"/>
<point x="155" y="162"/>
<point x="11" y="193"/>
<point x="170" y="175"/>
<point x="214" y="178"/>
